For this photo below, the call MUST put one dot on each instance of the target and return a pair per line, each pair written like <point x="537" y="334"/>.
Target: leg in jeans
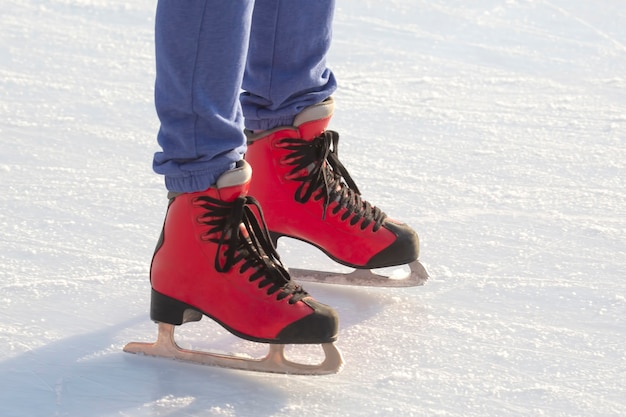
<point x="201" y="48"/>
<point x="286" y="67"/>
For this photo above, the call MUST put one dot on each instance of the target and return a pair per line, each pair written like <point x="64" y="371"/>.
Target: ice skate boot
<point x="307" y="194"/>
<point x="215" y="258"/>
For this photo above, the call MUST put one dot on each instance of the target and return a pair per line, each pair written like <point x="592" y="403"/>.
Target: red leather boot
<point x="307" y="194"/>
<point x="215" y="258"/>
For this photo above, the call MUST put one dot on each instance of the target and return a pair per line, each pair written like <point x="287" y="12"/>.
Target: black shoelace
<point x="329" y="178"/>
<point x="256" y="250"/>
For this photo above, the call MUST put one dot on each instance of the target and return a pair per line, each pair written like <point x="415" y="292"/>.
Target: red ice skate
<point x="215" y="258"/>
<point x="307" y="194"/>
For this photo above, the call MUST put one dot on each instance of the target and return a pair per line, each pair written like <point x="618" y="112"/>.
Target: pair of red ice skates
<point x="216" y="255"/>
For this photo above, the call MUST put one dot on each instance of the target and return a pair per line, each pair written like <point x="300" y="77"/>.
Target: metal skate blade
<point x="416" y="276"/>
<point x="273" y="362"/>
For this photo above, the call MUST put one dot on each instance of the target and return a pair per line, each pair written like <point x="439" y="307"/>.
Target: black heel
<point x="164" y="309"/>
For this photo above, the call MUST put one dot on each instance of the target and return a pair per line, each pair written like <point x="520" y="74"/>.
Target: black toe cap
<point x="321" y="326"/>
<point x="403" y="250"/>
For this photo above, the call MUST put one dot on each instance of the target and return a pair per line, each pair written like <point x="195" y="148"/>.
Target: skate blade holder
<point x="273" y="362"/>
<point x="416" y="276"/>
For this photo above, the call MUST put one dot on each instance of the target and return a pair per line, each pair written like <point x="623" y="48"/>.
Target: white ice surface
<point x="497" y="129"/>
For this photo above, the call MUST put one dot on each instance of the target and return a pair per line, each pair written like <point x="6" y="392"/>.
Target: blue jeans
<point x="225" y="64"/>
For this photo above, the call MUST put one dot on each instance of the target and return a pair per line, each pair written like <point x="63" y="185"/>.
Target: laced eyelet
<point x="198" y="202"/>
<point x="241" y="236"/>
<point x="323" y="177"/>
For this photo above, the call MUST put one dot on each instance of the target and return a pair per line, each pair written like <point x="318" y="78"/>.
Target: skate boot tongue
<point x="235" y="182"/>
<point x="313" y="120"/>
<point x="324" y="171"/>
